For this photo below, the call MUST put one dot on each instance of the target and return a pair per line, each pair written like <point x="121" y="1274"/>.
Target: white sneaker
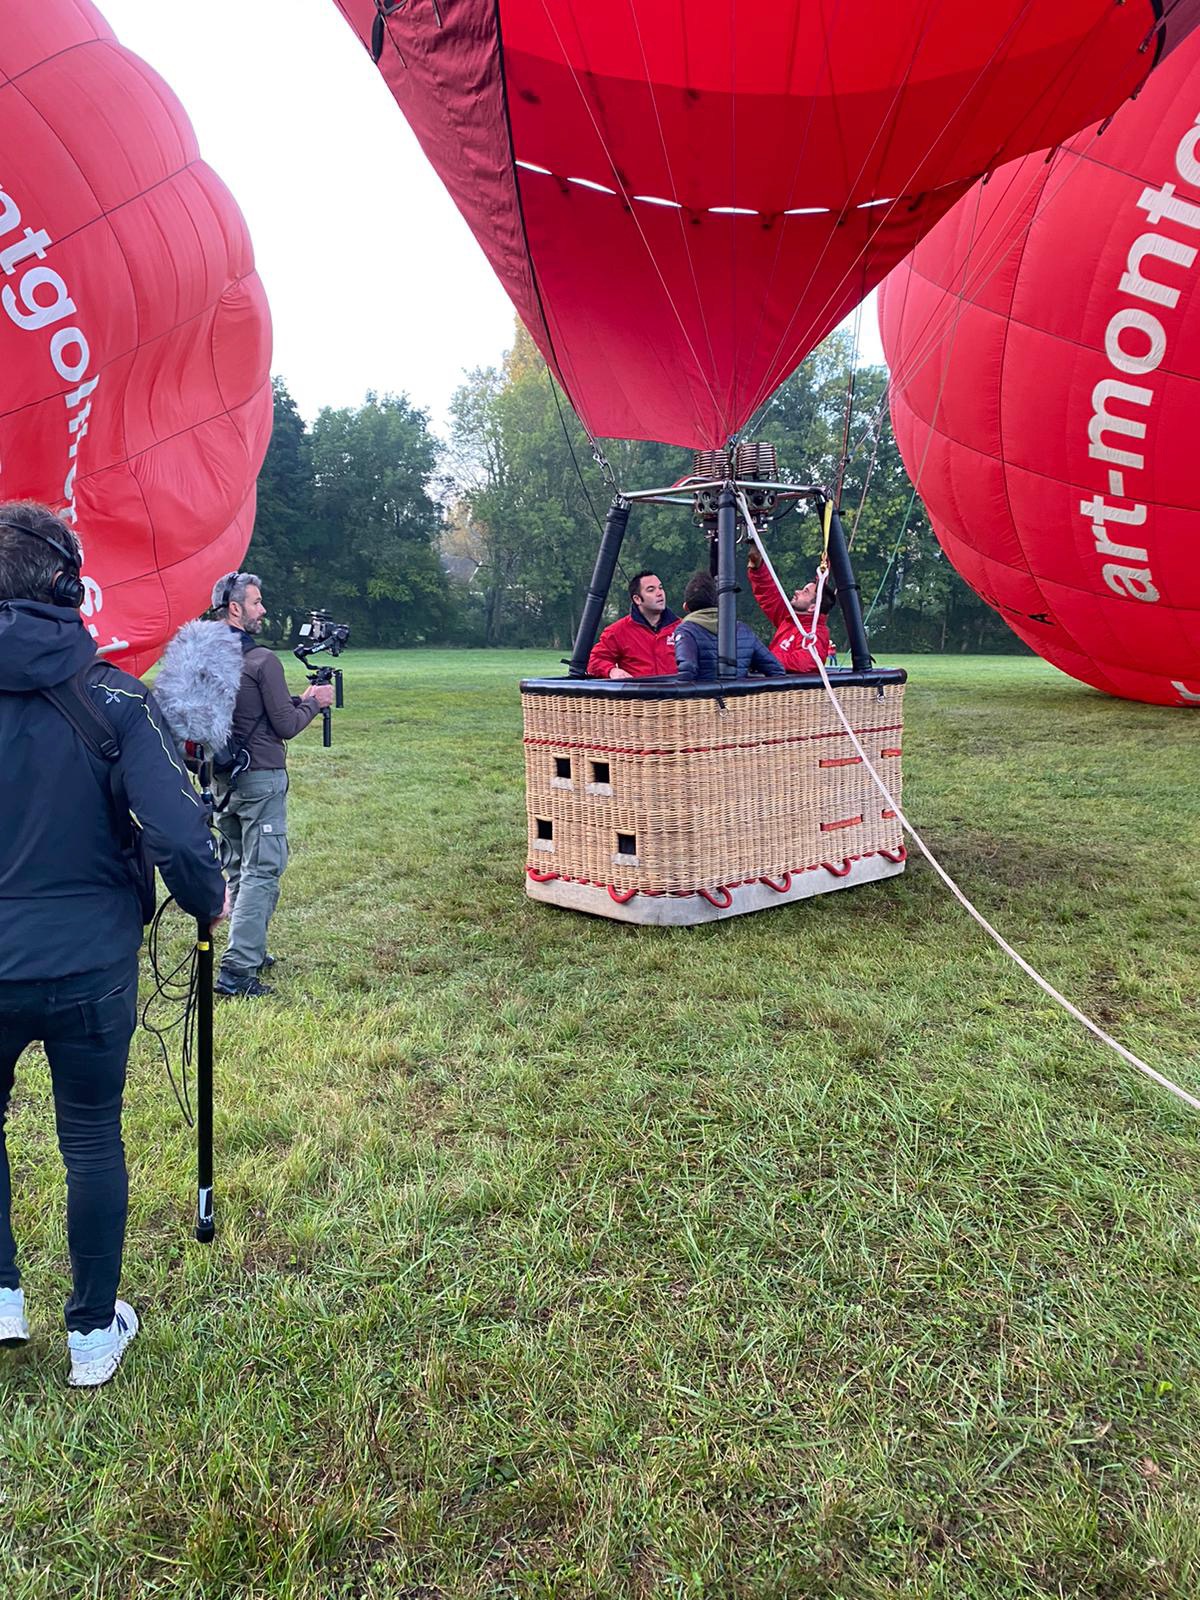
<point x="96" y="1356"/>
<point x="14" y="1329"/>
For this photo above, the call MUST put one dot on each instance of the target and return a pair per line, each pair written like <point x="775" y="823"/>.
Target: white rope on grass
<point x="808" y="637"/>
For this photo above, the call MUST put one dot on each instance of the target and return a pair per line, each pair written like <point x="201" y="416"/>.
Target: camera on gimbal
<point x="319" y="633"/>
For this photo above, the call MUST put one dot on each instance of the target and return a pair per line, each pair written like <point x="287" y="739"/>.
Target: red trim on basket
<point x="703" y="749"/>
<point x="722" y="895"/>
<point x="711" y="896"/>
<point x="841" y="761"/>
<point x="892" y="750"/>
<point x="846" y="822"/>
<point x="887" y="815"/>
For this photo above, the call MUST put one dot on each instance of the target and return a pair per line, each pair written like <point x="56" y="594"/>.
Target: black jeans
<point x="85" y="1023"/>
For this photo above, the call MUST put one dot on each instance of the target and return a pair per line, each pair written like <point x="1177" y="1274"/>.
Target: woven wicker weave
<point x="707" y="793"/>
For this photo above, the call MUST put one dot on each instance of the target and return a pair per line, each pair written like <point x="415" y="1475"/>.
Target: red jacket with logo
<point x="636" y="647"/>
<point x="786" y="646"/>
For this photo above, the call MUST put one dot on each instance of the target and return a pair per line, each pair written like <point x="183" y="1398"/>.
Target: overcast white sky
<point x="374" y="280"/>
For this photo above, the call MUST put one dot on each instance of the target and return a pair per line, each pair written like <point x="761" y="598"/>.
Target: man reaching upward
<point x="786" y="644"/>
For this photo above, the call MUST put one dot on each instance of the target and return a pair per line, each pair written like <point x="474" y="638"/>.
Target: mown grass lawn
<point x="812" y="1254"/>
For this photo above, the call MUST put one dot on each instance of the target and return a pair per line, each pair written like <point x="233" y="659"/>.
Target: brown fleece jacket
<point x="265" y="714"/>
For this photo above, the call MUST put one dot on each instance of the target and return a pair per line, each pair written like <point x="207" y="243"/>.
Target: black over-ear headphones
<point x="67" y="588"/>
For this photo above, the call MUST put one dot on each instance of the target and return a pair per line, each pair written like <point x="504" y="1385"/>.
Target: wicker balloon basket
<point x="657" y="802"/>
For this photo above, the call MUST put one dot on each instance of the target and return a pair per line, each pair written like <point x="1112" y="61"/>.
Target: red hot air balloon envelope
<point x="1044" y="342"/>
<point x="683" y="199"/>
<point x="134" y="337"/>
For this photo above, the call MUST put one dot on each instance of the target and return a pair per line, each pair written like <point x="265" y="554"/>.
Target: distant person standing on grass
<point x="252" y="821"/>
<point x="71" y="914"/>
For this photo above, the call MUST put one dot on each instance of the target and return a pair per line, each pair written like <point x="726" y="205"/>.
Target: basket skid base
<point x="669" y="911"/>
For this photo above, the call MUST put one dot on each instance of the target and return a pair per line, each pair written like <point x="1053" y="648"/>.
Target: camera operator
<point x="252" y="823"/>
<point x="71" y="914"/>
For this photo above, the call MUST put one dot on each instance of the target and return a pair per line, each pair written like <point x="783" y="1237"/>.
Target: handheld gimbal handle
<point x="326" y="675"/>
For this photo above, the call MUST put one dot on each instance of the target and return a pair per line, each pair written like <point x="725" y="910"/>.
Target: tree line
<point x="488" y="537"/>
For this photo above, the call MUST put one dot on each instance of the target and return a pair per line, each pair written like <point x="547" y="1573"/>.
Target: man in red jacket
<point x="641" y="645"/>
<point x="787" y="646"/>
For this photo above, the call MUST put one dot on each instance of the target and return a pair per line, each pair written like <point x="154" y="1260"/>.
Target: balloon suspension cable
<point x="597" y="454"/>
<point x="934" y="348"/>
<point x="606" y="468"/>
<point x="557" y="366"/>
<point x="619" y="181"/>
<point x="905" y="526"/>
<point x="935" y="328"/>
<point x="993" y="261"/>
<point x="876" y="428"/>
<point x="808" y="638"/>
<point x="874" y="420"/>
<point x="935" y="344"/>
<point x="947" y="353"/>
<point x="856" y="340"/>
<point x="903" y="197"/>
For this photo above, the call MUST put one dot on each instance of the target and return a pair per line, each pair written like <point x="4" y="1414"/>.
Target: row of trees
<point x="347" y="519"/>
<point x="489" y="538"/>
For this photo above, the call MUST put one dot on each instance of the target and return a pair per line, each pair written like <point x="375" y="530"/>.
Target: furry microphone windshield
<point x="198" y="682"/>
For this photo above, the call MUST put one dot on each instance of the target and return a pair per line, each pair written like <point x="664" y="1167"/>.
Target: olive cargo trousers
<point x="252" y="833"/>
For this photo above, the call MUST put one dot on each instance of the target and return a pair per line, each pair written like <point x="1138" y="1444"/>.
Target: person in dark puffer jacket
<point x="70" y="914"/>
<point x="696" y="638"/>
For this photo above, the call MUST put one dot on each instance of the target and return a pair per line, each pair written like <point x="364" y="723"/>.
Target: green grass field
<point x="812" y="1254"/>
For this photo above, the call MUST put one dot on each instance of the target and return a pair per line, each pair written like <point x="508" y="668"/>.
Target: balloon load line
<point x="808" y="637"/>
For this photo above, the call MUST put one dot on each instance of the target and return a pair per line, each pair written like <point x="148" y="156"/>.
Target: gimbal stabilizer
<point x="319" y="633"/>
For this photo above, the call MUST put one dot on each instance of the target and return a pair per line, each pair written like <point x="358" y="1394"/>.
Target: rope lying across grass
<point x="808" y="637"/>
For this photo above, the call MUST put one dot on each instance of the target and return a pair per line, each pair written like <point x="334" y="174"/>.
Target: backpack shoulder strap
<point x="77" y="705"/>
<point x="74" y="702"/>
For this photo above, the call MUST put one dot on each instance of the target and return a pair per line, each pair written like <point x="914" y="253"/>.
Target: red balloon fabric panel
<point x="683" y="199"/>
<point x="135" y="339"/>
<point x="1044" y="342"/>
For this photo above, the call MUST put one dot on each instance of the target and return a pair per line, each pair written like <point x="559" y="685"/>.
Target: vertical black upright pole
<point x="847" y="591"/>
<point x="727" y="585"/>
<point x="339" y="696"/>
<point x="204" y="1084"/>
<point x="602" y="577"/>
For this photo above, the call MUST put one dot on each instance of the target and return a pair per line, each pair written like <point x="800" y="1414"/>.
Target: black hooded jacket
<point x="67" y="904"/>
